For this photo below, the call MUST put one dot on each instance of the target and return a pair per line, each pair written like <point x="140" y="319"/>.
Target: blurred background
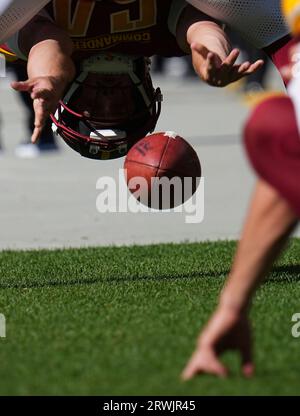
<point x="48" y="192"/>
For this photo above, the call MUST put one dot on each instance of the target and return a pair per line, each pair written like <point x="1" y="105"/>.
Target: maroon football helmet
<point x="109" y="107"/>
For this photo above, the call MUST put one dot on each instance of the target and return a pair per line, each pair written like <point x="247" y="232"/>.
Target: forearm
<point x="50" y="58"/>
<point x="268" y="226"/>
<point x="210" y="35"/>
<point x="49" y="49"/>
<point x="50" y="68"/>
<point x="269" y="223"/>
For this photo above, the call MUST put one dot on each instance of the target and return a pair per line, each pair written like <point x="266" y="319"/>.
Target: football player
<point x="99" y="50"/>
<point x="273" y="145"/>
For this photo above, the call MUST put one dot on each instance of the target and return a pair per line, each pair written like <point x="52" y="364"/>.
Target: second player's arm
<point x="269" y="223"/>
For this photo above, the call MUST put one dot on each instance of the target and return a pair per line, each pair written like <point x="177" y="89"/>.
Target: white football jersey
<point x="259" y="21"/>
<point x="14" y="14"/>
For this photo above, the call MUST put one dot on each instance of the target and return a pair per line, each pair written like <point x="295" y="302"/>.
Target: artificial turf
<point x="123" y="321"/>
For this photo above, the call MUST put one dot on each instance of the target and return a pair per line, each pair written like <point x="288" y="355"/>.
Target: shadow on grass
<point x="280" y="274"/>
<point x="285" y="273"/>
<point x="112" y="280"/>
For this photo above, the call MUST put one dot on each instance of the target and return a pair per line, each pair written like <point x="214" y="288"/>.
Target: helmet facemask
<point x="109" y="107"/>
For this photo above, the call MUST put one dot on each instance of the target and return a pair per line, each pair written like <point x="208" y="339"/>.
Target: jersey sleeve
<point x="13" y="42"/>
<point x="14" y="14"/>
<point x="176" y="10"/>
<point x="13" y="45"/>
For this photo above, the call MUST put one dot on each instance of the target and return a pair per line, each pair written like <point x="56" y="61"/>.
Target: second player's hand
<point x="45" y="92"/>
<point x="217" y="72"/>
<point x="225" y="331"/>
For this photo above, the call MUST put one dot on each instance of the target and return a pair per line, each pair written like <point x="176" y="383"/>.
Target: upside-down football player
<point x="89" y="120"/>
<point x="98" y="51"/>
<point x="272" y="142"/>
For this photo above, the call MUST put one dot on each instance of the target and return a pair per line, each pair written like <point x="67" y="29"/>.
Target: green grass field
<point x="112" y="321"/>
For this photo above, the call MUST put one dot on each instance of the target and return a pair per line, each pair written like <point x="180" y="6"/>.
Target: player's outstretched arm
<point x="213" y="58"/>
<point x="270" y="221"/>
<point x="50" y="68"/>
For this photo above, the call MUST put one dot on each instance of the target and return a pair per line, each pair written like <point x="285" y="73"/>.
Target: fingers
<point x="41" y="93"/>
<point x="247" y="351"/>
<point x="226" y="70"/>
<point x="199" y="48"/>
<point x="204" y="362"/>
<point x="256" y="66"/>
<point x="220" y="73"/>
<point x="38" y="122"/>
<point x="41" y="115"/>
<point x="36" y="134"/>
<point x="231" y="58"/>
<point x="42" y="99"/>
<point x="247" y="358"/>
<point x="217" y="369"/>
<point x="211" y="65"/>
<point x="245" y="69"/>
<point x="22" y="85"/>
<point x="208" y="61"/>
<point x="34" y="88"/>
<point x="190" y="370"/>
<point x="248" y="370"/>
<point x="211" y="69"/>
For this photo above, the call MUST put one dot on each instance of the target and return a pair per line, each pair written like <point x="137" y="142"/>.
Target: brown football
<point x="162" y="170"/>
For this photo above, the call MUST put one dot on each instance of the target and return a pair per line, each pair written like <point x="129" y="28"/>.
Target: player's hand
<point x="217" y="72"/>
<point x="45" y="92"/>
<point x="226" y="330"/>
